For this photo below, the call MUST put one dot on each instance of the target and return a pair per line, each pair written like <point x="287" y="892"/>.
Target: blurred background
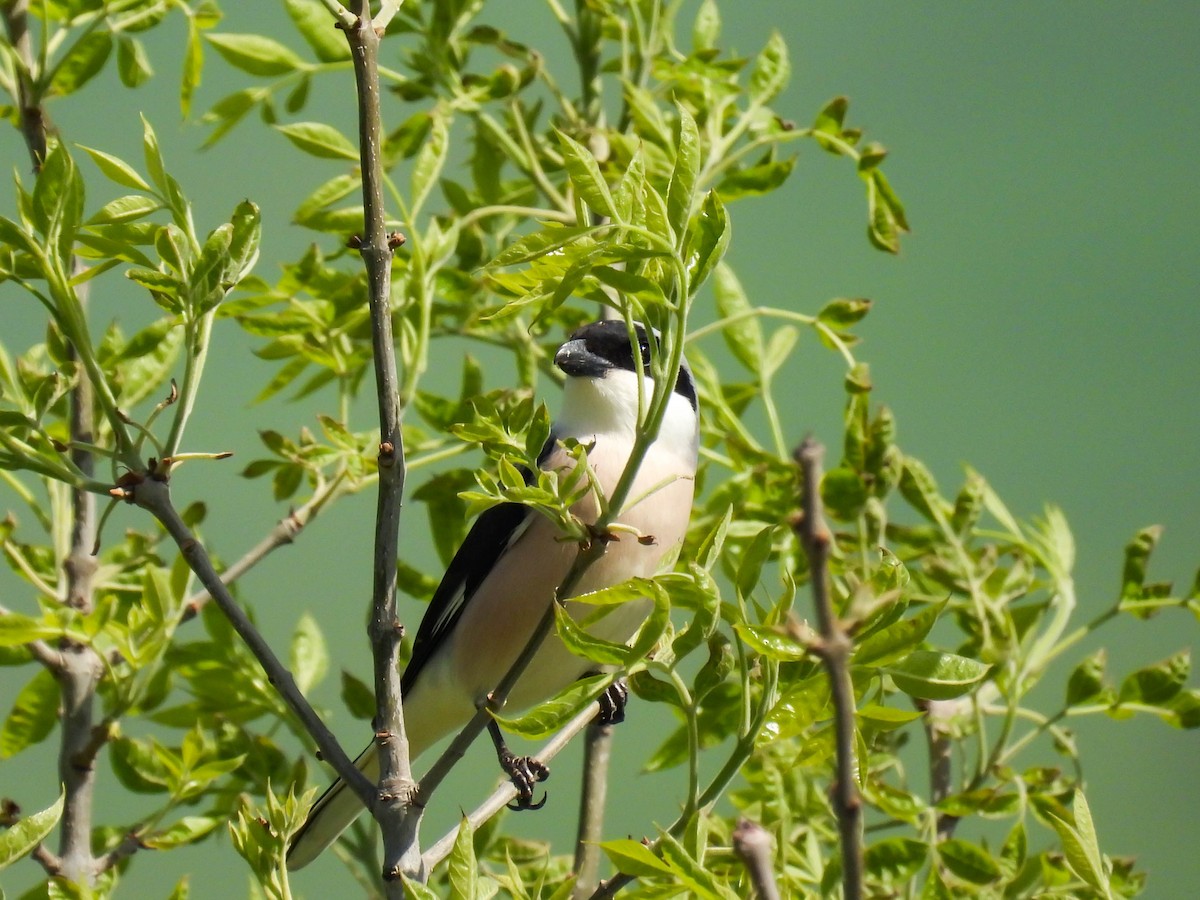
<point x="1041" y="323"/>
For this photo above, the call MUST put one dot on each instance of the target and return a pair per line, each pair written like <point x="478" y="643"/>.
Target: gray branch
<point x="752" y="844"/>
<point x="834" y="648"/>
<point x="393" y="809"/>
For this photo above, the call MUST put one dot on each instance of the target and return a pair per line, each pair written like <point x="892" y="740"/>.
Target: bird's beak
<point x="575" y="359"/>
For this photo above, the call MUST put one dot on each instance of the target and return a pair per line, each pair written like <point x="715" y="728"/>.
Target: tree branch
<point x="153" y="496"/>
<point x="752" y="844"/>
<point x="597" y="753"/>
<point x="29" y="108"/>
<point x="834" y="648"/>
<point x="507" y="791"/>
<point x="398" y="819"/>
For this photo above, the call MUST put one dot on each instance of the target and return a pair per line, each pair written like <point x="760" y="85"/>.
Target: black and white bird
<point x="505" y="574"/>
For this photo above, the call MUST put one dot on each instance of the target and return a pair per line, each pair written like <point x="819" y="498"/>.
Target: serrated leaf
<point x="1087" y="679"/>
<point x="427" y="167"/>
<point x="932" y="675"/>
<point x="16" y="629"/>
<point x="463" y="872"/>
<point x="1157" y="684"/>
<point x="27" y="833"/>
<point x="117" y="170"/>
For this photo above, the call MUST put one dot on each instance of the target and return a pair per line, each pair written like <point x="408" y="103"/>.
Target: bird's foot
<point x="525" y="772"/>
<point x="612" y="703"/>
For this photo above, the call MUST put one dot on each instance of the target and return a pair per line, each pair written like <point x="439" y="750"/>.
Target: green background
<point x="1040" y="323"/>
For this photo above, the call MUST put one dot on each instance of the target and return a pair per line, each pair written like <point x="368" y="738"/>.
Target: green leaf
<point x="885" y="213"/>
<point x="429" y="162"/>
<point x="133" y="65"/>
<point x="416" y="890"/>
<point x="968" y="861"/>
<point x="320" y="140"/>
<point x="16" y="629"/>
<point x="1080" y="848"/>
<point x="1087" y="679"/>
<point x="463" y="872"/>
<point x="708" y="241"/>
<point x="744" y="336"/>
<point x="582" y="644"/>
<point x="34" y="712"/>
<point x="585" y="175"/>
<point x="690" y="873"/>
<point x="1137" y="559"/>
<point x="844" y="312"/>
<point x="895" y="860"/>
<point x="186" y="831"/>
<point x="318" y="28"/>
<point x="707" y="26"/>
<point x="22" y="837"/>
<point x="83" y="62"/>
<point x="125" y="209"/>
<point x="682" y="191"/>
<point x="1157" y="684"/>
<point x="634" y="858"/>
<point x="193" y="67"/>
<point x="754" y="557"/>
<point x="931" y="675"/>
<point x="358" y="697"/>
<point x="546" y="718"/>
<point x="256" y="54"/>
<point x="894" y="642"/>
<point x="771" y="643"/>
<point x="309" y="655"/>
<point x="117" y="170"/>
<point x="771" y="70"/>
<point x="844" y="493"/>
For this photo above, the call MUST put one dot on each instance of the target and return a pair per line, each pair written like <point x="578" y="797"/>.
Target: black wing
<point x="493" y="533"/>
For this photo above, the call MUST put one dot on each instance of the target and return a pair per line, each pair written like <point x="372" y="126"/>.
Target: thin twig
<point x="398" y="819"/>
<point x="597" y="753"/>
<point x="29" y="107"/>
<point x="937" y="736"/>
<point x="47" y="859"/>
<point x="507" y="791"/>
<point x="834" y="648"/>
<point x="153" y="496"/>
<point x="752" y="844"/>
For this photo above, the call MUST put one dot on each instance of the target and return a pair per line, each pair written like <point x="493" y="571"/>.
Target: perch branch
<point x="597" y="753"/>
<point x="392" y="808"/>
<point x="154" y="496"/>
<point x="834" y="648"/>
<point x="752" y="844"/>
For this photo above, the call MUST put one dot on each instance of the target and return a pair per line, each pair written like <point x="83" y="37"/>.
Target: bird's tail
<point x="332" y="814"/>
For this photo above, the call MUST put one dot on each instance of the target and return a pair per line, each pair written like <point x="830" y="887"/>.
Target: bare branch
<point x="396" y="787"/>
<point x="32" y="116"/>
<point x="752" y="844"/>
<point x="49" y="861"/>
<point x="597" y="753"/>
<point x="507" y="791"/>
<point x="153" y="496"/>
<point x="834" y="648"/>
<point x="130" y="844"/>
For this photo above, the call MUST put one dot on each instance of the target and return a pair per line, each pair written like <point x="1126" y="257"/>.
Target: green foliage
<point x="524" y="211"/>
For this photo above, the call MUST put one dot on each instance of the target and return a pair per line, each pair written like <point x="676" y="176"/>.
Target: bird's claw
<point x="525" y="772"/>
<point x="612" y="703"/>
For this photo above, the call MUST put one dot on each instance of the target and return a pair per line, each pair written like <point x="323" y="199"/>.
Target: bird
<point x="507" y="571"/>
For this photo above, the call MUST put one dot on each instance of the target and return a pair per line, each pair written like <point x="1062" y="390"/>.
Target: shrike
<point x="505" y="574"/>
